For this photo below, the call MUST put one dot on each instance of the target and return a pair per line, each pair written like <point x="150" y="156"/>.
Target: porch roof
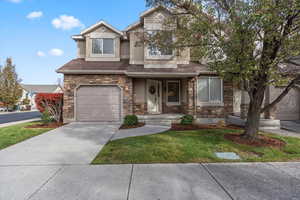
<point x="182" y="70"/>
<point x="80" y="66"/>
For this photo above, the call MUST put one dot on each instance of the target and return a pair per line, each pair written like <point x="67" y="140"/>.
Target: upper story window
<point x="210" y="90"/>
<point x="103" y="46"/>
<point x="156" y="52"/>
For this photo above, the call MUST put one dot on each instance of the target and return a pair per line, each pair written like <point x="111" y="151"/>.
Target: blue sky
<point x="36" y="33"/>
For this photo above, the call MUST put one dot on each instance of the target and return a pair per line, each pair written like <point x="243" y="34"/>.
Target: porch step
<point x="163" y="119"/>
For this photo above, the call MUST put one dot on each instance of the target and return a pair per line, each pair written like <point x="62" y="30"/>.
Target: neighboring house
<point x="287" y="109"/>
<point x="116" y="74"/>
<point x="29" y="92"/>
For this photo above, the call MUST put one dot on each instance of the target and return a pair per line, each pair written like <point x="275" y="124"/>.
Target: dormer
<point x="148" y="54"/>
<point x="100" y="42"/>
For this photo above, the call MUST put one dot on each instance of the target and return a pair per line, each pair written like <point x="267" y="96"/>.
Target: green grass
<point x="17" y="133"/>
<point x="191" y="146"/>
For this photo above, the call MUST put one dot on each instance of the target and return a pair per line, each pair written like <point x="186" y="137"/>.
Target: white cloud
<point x="56" y="52"/>
<point x="15" y="1"/>
<point x="66" y="22"/>
<point x="40" y="54"/>
<point x="35" y="14"/>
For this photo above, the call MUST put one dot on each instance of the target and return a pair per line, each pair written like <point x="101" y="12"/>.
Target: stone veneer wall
<point x="72" y="81"/>
<point x="140" y="108"/>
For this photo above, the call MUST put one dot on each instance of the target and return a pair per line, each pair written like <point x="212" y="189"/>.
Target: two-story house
<point x="116" y="74"/>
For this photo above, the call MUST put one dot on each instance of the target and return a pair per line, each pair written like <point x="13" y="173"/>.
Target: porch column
<point x="191" y="95"/>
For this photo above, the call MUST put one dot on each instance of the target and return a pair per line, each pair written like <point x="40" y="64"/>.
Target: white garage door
<point x="98" y="104"/>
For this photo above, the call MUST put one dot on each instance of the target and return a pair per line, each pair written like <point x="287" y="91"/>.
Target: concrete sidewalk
<point x="245" y="181"/>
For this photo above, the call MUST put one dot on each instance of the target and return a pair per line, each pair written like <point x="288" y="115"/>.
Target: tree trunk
<point x="253" y="116"/>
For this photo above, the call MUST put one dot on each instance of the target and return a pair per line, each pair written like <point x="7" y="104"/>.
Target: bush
<point x="46" y="117"/>
<point x="187" y="120"/>
<point x="52" y="102"/>
<point x="131" y="120"/>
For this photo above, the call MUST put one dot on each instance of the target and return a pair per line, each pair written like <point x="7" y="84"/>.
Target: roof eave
<point x="159" y="74"/>
<point x="90" y="71"/>
<point x="149" y="11"/>
<point x="78" y="37"/>
<point x="132" y="26"/>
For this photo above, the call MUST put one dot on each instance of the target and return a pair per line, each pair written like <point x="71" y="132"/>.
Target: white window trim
<point x="173" y="103"/>
<point x="103" y="55"/>
<point x="210" y="103"/>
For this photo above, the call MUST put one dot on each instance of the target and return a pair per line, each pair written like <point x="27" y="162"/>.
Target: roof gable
<point x="99" y="24"/>
<point x="154" y="9"/>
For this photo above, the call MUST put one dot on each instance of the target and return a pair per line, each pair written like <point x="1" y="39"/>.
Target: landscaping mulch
<point x="260" y="141"/>
<point x="180" y="127"/>
<point x="50" y="125"/>
<point x="140" y="124"/>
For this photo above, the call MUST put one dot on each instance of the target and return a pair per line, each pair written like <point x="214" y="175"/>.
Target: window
<point x="210" y="90"/>
<point x="155" y="51"/>
<point x="173" y="92"/>
<point x="103" y="46"/>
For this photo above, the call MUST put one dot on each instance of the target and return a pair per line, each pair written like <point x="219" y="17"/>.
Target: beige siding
<point x="136" y="47"/>
<point x="125" y="49"/>
<point x="81" y="50"/>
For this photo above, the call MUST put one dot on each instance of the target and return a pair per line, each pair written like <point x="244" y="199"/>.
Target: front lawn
<point x="16" y="133"/>
<point x="192" y="146"/>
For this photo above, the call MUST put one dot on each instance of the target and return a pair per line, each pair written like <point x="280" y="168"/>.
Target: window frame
<point x="102" y="45"/>
<point x="209" y="102"/>
<point x="179" y="93"/>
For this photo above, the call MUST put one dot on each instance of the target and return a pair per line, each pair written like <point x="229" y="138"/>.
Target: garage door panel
<point x="289" y="107"/>
<point x="95" y="89"/>
<point x="98" y="103"/>
<point x="100" y="106"/>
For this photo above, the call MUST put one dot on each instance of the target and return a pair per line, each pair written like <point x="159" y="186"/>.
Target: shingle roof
<point x="80" y="66"/>
<point x="39" y="88"/>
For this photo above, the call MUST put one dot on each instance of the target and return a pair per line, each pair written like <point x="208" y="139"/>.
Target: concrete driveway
<point x="71" y="144"/>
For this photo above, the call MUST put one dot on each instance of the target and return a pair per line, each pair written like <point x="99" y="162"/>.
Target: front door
<point x="154" y="88"/>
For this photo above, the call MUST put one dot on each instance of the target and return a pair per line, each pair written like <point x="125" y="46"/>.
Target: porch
<point x="158" y="98"/>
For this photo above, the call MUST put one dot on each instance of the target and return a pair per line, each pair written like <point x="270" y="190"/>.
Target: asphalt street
<point x="18" y="116"/>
